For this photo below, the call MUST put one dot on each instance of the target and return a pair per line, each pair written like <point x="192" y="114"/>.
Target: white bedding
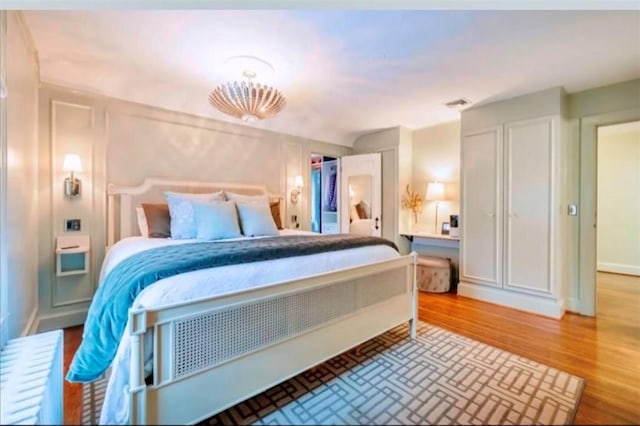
<point x="212" y="282"/>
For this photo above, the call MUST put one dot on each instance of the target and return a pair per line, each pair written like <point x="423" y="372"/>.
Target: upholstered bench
<point x="433" y="274"/>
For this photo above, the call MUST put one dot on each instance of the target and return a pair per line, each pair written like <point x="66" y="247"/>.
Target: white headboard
<point x="123" y="200"/>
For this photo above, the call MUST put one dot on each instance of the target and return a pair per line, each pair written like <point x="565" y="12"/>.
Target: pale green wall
<point x="615" y="97"/>
<point x="610" y="104"/>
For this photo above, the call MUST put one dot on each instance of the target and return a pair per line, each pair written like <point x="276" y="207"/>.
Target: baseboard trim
<point x="522" y="302"/>
<point x="67" y="319"/>
<point x="32" y="323"/>
<point x="573" y="305"/>
<point x="618" y="268"/>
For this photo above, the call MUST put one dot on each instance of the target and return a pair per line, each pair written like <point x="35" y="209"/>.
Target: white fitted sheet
<point x="212" y="282"/>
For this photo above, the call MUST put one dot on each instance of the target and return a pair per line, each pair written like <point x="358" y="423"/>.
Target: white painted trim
<point x="572" y="305"/>
<point x="537" y="305"/>
<point x="4" y="329"/>
<point x="4" y="290"/>
<point x="63" y="320"/>
<point x="588" y="197"/>
<point x="32" y="323"/>
<point x="618" y="268"/>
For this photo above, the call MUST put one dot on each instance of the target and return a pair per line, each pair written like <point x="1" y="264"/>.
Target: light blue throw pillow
<point x="216" y="221"/>
<point x="256" y="219"/>
<point x="183" y="225"/>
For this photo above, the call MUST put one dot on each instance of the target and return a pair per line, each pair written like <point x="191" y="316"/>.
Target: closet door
<point x="481" y="219"/>
<point x="529" y="196"/>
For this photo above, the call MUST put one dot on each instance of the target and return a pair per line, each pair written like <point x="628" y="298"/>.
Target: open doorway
<point x="618" y="220"/>
<point x="324" y="194"/>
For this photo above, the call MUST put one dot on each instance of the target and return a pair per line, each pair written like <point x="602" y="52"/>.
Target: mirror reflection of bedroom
<point x="360" y="204"/>
<point x="324" y="194"/>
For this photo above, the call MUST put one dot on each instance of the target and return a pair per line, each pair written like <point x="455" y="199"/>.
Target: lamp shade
<point x="435" y="191"/>
<point x="72" y="163"/>
<point x="297" y="182"/>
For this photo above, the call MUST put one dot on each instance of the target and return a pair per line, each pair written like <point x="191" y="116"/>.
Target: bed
<point x="210" y="351"/>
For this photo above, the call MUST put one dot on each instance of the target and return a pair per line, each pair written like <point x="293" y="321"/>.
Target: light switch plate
<point x="72" y="225"/>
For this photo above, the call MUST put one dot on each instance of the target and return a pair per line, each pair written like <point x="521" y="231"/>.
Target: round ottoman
<point x="433" y="274"/>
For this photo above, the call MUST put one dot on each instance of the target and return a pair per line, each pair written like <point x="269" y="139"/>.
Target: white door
<point x="360" y="188"/>
<point x="480" y="215"/>
<point x="528" y="201"/>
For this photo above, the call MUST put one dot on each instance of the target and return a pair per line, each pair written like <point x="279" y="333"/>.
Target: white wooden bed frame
<point x="211" y="354"/>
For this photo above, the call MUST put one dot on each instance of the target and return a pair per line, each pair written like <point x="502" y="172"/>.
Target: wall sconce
<point x="298" y="183"/>
<point x="435" y="192"/>
<point x="72" y="164"/>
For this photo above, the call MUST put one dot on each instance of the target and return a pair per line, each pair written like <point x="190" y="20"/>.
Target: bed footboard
<point x="211" y="354"/>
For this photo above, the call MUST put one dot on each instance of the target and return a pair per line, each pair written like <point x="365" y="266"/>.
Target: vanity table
<point x="436" y="245"/>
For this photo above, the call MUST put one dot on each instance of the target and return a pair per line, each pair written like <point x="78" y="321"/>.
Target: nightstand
<point x="72" y="255"/>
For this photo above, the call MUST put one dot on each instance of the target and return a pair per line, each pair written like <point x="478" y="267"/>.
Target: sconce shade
<point x="435" y="191"/>
<point x="72" y="163"/>
<point x="295" y="192"/>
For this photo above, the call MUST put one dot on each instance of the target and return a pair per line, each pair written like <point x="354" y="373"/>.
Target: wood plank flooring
<point x="604" y="350"/>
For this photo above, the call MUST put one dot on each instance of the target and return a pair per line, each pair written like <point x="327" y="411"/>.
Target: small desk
<point x="436" y="245"/>
<point x="433" y="240"/>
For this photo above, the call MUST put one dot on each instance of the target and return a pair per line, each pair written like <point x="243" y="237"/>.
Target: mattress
<point x="211" y="282"/>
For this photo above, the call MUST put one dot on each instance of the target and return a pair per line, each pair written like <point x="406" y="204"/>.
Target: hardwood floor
<point x="605" y="350"/>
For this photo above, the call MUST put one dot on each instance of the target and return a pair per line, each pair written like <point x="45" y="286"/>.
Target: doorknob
<point x="377" y="220"/>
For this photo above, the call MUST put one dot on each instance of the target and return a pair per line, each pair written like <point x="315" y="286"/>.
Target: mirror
<point x="360" y="221"/>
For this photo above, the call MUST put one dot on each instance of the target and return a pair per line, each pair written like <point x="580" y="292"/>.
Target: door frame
<point x="587" y="242"/>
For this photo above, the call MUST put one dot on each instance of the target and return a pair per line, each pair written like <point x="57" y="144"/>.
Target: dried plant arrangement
<point x="412" y="201"/>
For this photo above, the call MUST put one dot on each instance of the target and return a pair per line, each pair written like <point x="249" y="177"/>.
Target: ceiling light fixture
<point x="247" y="100"/>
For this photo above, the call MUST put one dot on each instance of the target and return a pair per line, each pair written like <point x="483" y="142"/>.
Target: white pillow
<point x="256" y="219"/>
<point x="142" y="222"/>
<point x="183" y="225"/>
<point x="246" y="198"/>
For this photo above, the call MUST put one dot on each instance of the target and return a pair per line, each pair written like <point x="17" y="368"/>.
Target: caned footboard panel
<point x="216" y="353"/>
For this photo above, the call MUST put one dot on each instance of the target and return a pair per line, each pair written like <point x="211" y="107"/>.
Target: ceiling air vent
<point x="459" y="103"/>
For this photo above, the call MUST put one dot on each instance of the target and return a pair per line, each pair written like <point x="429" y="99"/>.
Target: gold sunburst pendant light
<point x="247" y="100"/>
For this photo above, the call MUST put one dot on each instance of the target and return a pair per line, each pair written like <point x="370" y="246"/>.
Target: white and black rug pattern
<point x="439" y="378"/>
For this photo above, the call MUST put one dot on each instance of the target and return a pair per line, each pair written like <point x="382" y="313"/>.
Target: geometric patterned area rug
<point x="439" y="378"/>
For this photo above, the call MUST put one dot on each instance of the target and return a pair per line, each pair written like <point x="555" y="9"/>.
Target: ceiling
<point x="344" y="73"/>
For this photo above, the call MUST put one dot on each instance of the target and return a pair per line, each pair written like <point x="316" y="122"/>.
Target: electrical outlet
<point x="72" y="225"/>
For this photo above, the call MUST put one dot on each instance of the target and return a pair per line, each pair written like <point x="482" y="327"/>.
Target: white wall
<point x="19" y="200"/>
<point x="124" y="143"/>
<point x="619" y="199"/>
<point x="436" y="157"/>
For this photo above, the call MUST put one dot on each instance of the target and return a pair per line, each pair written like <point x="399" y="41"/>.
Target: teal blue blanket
<point x="108" y="313"/>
